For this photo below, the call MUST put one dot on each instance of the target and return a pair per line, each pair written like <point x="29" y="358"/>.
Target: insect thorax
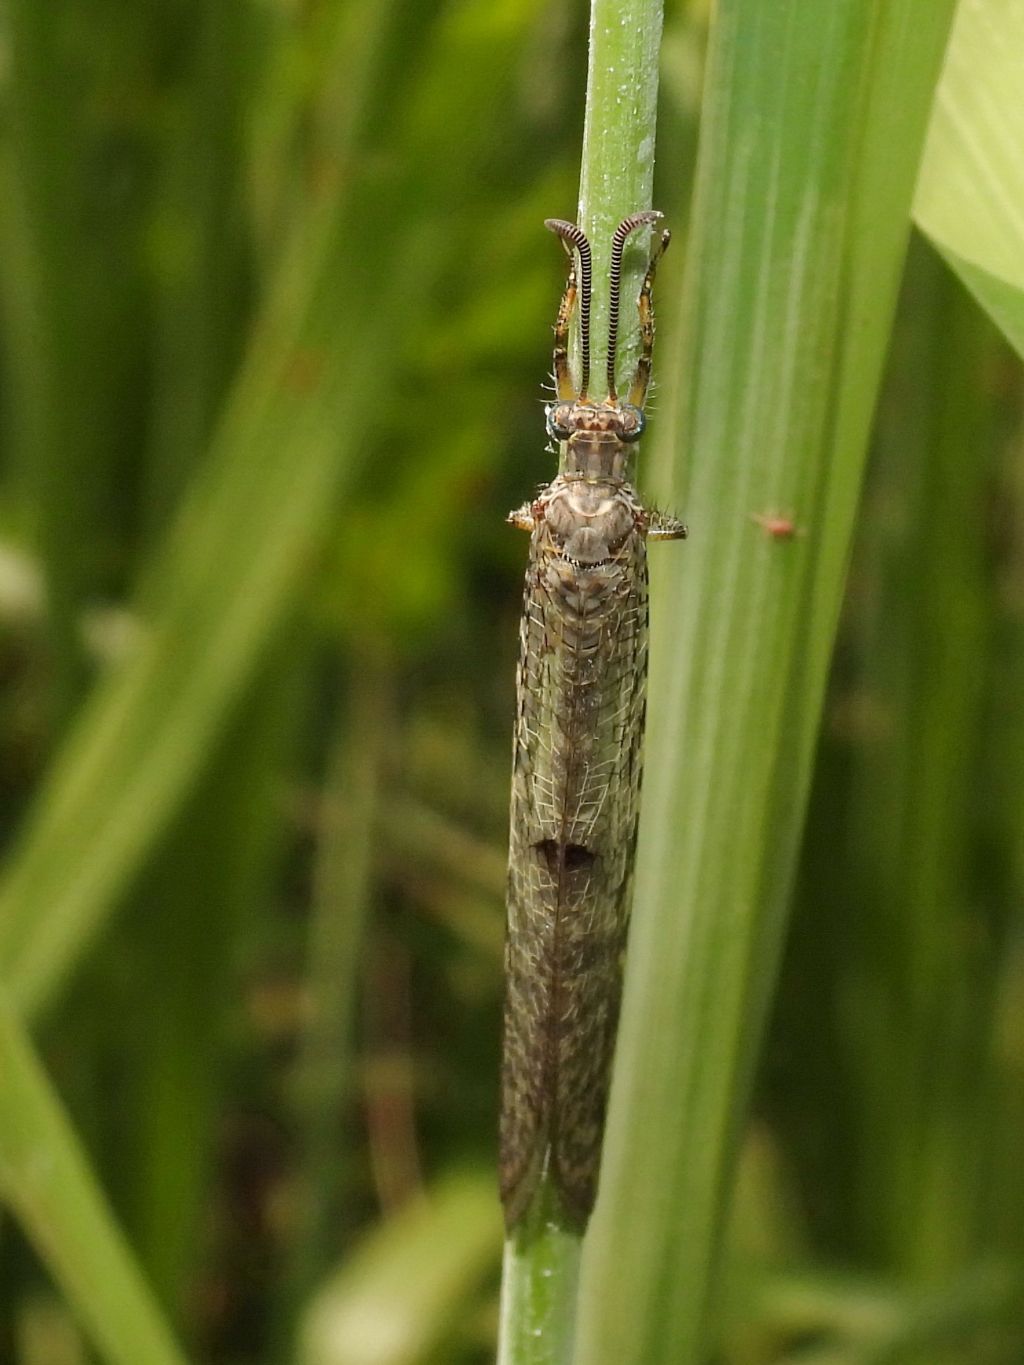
<point x="589" y="520"/>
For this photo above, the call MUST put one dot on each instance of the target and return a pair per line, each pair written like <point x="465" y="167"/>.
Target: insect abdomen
<point x="574" y="805"/>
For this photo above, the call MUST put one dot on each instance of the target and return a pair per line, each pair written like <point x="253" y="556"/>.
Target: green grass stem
<point x="617" y="170"/>
<point x="539" y="1281"/>
<point x="540" y="1273"/>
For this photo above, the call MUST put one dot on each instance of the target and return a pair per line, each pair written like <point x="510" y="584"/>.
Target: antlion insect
<point x="577" y="758"/>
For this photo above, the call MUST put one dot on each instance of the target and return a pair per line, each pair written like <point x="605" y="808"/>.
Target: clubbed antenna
<point x="627" y="226"/>
<point x="572" y="236"/>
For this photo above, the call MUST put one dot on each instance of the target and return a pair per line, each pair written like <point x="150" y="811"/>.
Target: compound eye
<point x="559" y="421"/>
<point x="633" y="423"/>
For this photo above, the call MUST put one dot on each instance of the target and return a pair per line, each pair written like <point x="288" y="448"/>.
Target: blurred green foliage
<point x="275" y="309"/>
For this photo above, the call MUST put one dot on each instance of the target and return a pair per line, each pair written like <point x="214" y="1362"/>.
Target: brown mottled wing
<point x="575" y="796"/>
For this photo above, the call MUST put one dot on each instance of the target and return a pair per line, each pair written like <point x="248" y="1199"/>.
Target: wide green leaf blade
<point x="813" y="123"/>
<point x="970" y="195"/>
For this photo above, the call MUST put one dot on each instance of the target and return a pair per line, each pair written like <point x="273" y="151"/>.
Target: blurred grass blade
<point x="73" y="172"/>
<point x="916" y="1041"/>
<point x="861" y="1320"/>
<point x="201" y="250"/>
<point x="233" y="563"/>
<point x="46" y="1181"/>
<point x="221" y="851"/>
<point x="396" y="1298"/>
<point x="810" y="146"/>
<point x="341" y="905"/>
<point x="254" y="521"/>
<point x="970" y="195"/>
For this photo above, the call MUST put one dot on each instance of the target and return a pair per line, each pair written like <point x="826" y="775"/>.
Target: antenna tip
<point x="644" y="218"/>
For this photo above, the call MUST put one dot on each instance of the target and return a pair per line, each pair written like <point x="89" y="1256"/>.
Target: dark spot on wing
<point x="571" y="857"/>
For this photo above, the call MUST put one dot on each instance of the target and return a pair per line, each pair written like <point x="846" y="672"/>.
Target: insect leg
<point x="663" y="527"/>
<point x="642" y="376"/>
<point x="564" y="386"/>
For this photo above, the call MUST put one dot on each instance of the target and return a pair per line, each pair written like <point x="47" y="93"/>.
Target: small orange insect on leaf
<point x="777" y="525"/>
